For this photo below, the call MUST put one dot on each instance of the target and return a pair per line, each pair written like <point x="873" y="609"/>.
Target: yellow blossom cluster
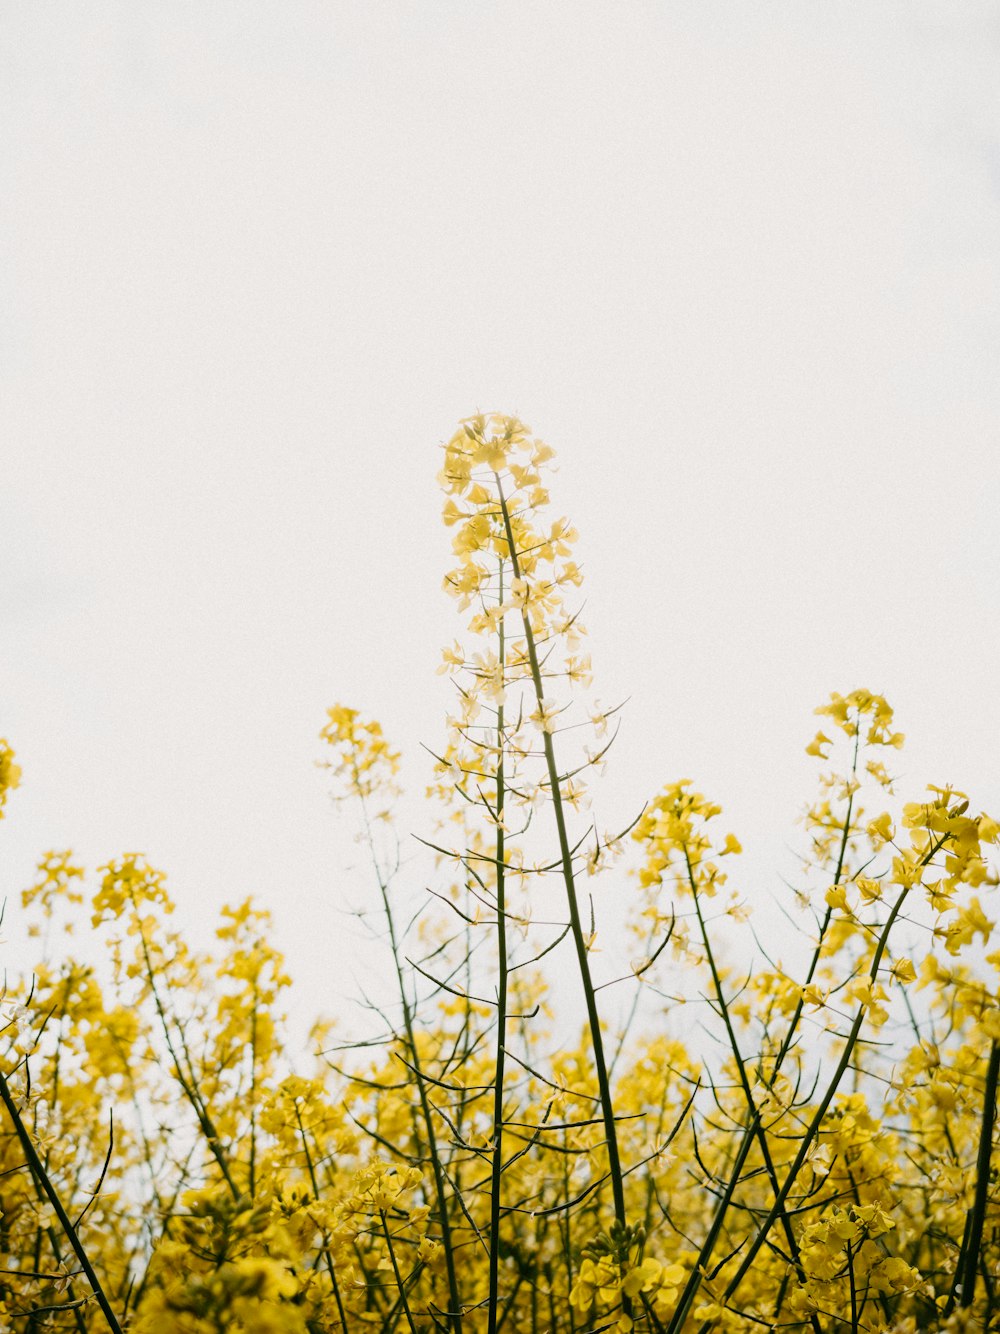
<point x="363" y="762"/>
<point x="601" y="1284"/>
<point x="10" y="773"/>
<point x="240" y="1195"/>
<point x="515" y="566"/>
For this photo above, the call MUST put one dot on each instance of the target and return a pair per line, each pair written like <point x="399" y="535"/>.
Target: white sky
<point x="738" y="263"/>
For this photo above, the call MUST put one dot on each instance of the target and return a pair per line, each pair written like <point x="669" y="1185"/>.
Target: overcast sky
<point x="738" y="263"/>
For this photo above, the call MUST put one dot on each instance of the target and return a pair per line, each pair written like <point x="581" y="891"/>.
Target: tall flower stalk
<point x="493" y="475"/>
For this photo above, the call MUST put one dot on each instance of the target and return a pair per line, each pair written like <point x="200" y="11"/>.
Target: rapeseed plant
<point x="168" y="1164"/>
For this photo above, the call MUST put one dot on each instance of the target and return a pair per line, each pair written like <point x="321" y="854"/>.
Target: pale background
<point x="738" y="263"/>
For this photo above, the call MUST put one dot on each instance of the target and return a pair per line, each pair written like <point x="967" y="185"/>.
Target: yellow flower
<point x="836" y="897"/>
<point x="10" y="773"/>
<point x="881" y="830"/>
<point x="869" y="994"/>
<point x="903" y="970"/>
<point x="130" y="884"/>
<point x="362" y="758"/>
<point x="876" y="1220"/>
<point x="815" y="746"/>
<point x="967" y="923"/>
<point x="546" y="715"/>
<point x="870" y="890"/>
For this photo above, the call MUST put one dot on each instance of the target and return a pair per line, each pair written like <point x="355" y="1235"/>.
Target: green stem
<point x="326" y="1249"/>
<point x="818" y="951"/>
<point x="695" y="1278"/>
<point x="498" y="1082"/>
<point x="576" y="928"/>
<point x="189" y="1085"/>
<point x="970" y="1265"/>
<point x="761" y="1134"/>
<point x="455" y="1314"/>
<point x="397" y="1274"/>
<point x="821" y="1110"/>
<point x="42" y="1177"/>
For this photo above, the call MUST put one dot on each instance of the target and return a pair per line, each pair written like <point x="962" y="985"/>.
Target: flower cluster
<point x="10" y="773"/>
<point x="363" y="762"/>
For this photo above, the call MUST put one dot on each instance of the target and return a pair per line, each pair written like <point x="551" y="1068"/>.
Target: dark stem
<point x="43" y="1179"/>
<point x="579" y="942"/>
<point x="497" y="1166"/>
<point x="970" y="1259"/>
